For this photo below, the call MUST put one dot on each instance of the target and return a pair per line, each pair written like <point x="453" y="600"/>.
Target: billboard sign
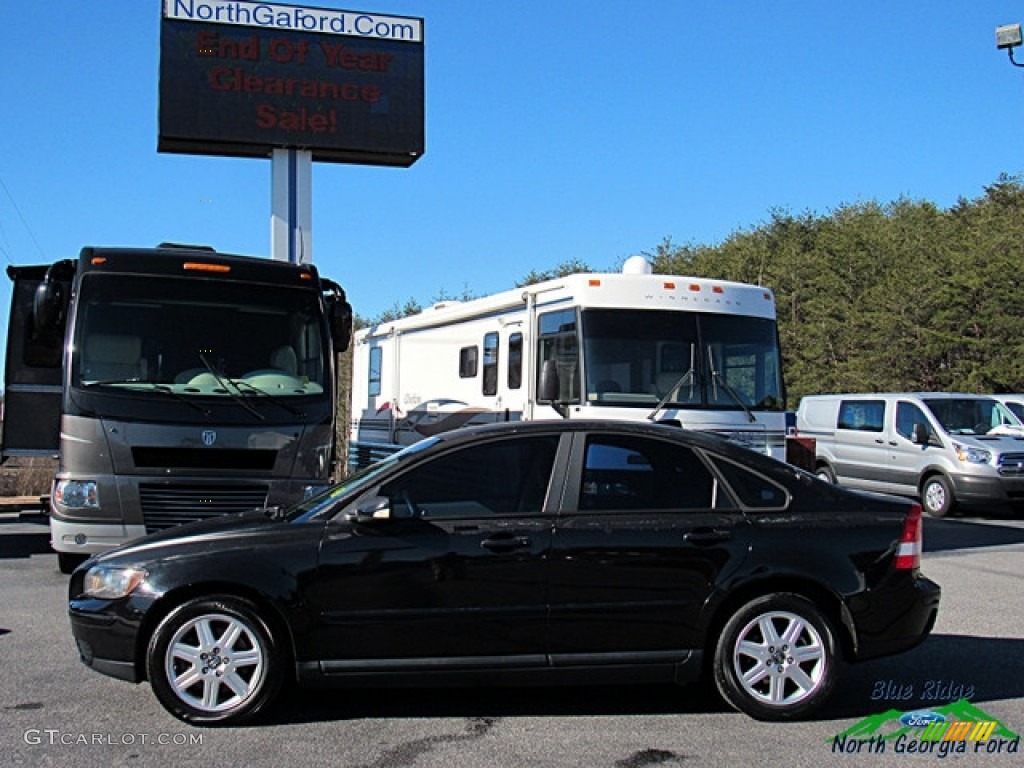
<point x="243" y="78"/>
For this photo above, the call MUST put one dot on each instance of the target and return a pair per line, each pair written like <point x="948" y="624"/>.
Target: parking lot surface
<point x="57" y="712"/>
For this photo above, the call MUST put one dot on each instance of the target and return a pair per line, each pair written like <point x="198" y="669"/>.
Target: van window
<point x="907" y="415"/>
<point x="862" y="415"/>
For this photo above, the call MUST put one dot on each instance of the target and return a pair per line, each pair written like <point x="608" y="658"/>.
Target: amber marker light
<point x="201" y="266"/>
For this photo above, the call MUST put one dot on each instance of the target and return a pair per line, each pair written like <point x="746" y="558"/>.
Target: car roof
<point x="664" y="430"/>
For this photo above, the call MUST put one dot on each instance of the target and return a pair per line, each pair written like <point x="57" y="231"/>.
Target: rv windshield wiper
<point x="105" y="382"/>
<point x="239" y="383"/>
<point x="689" y="375"/>
<point x="225" y="384"/>
<point x="717" y="378"/>
<point x="668" y="395"/>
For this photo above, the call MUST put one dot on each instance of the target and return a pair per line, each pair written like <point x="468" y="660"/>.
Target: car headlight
<point x="972" y="455"/>
<point x="111" y="582"/>
<point x="77" y="494"/>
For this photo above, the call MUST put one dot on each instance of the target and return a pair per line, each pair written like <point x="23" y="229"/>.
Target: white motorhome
<point x="634" y="346"/>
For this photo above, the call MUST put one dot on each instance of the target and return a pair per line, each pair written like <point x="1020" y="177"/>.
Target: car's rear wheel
<point x="776" y="658"/>
<point x="937" y="496"/>
<point x="213" y="660"/>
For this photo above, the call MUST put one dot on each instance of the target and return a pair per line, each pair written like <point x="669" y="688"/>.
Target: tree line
<point x="902" y="296"/>
<point x="897" y="297"/>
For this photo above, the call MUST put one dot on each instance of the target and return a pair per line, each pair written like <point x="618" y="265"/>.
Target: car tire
<point x="776" y="658"/>
<point x="937" y="496"/>
<point x="824" y="472"/>
<point x="214" y="661"/>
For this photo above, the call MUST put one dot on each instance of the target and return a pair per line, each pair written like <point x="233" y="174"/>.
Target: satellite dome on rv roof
<point x="637" y="265"/>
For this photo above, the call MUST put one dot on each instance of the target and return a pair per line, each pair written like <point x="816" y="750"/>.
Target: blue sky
<point x="556" y="130"/>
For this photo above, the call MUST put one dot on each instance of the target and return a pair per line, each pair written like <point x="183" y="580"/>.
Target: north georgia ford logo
<point x="921" y="718"/>
<point x="209" y="436"/>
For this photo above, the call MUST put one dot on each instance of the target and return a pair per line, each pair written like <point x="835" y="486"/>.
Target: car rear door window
<point x="623" y="472"/>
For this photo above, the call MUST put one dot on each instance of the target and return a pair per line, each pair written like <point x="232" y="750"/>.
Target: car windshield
<point x="190" y="338"/>
<point x="970" y="416"/>
<point x="356" y="482"/>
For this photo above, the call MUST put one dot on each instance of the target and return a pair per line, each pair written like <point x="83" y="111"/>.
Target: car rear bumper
<point x="895" y="619"/>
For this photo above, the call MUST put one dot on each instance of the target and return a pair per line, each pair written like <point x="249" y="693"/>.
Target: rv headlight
<point x="972" y="455"/>
<point x="111" y="582"/>
<point x="76" y="494"/>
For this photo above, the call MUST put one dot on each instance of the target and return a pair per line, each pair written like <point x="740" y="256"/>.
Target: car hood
<point x="201" y="534"/>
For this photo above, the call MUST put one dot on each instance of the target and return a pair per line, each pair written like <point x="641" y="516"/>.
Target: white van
<point x="945" y="449"/>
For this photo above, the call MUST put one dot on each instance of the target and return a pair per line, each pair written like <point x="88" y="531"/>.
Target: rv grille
<point x="204" y="458"/>
<point x="164" y="506"/>
<point x="1011" y="464"/>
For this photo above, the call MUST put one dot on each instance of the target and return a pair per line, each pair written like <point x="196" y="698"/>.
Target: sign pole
<point x="291" y="219"/>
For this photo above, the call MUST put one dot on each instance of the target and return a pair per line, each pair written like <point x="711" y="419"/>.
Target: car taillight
<point x="908" y="555"/>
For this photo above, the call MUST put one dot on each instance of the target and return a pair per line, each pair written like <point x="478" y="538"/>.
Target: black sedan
<point x="547" y="552"/>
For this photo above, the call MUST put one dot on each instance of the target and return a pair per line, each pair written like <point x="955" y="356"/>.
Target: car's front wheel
<point x="776" y="658"/>
<point x="213" y="660"/>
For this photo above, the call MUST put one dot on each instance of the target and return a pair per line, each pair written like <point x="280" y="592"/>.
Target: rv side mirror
<point x="340" y="319"/>
<point x="48" y="306"/>
<point x="339" y="314"/>
<point x="549" y="388"/>
<point x="920" y="435"/>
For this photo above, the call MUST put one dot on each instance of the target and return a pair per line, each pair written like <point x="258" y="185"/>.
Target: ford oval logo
<point x="209" y="436"/>
<point x="921" y="718"/>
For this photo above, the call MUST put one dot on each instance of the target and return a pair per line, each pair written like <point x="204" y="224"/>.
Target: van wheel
<point x="776" y="658"/>
<point x="824" y="472"/>
<point x="937" y="496"/>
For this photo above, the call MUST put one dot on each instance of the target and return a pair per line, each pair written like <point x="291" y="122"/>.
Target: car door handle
<point x="706" y="536"/>
<point x="506" y="543"/>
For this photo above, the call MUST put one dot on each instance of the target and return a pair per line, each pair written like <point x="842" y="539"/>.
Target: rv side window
<point x="467" y="362"/>
<point x="490" y="363"/>
<point x="862" y="415"/>
<point x="559" y="342"/>
<point x="376" y="355"/>
<point x="515" y="361"/>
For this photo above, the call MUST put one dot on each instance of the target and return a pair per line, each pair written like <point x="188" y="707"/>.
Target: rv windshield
<point x="197" y="337"/>
<point x="971" y="416"/>
<point x="687" y="359"/>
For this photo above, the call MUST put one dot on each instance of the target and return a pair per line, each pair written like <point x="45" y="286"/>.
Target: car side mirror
<point x="373" y="508"/>
<point x="920" y="435"/>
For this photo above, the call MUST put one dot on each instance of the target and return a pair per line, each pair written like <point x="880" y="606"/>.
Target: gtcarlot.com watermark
<point x="55" y="737"/>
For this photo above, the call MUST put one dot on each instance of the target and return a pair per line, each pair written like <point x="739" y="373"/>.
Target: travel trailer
<point x="698" y="352"/>
<point x="172" y="383"/>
